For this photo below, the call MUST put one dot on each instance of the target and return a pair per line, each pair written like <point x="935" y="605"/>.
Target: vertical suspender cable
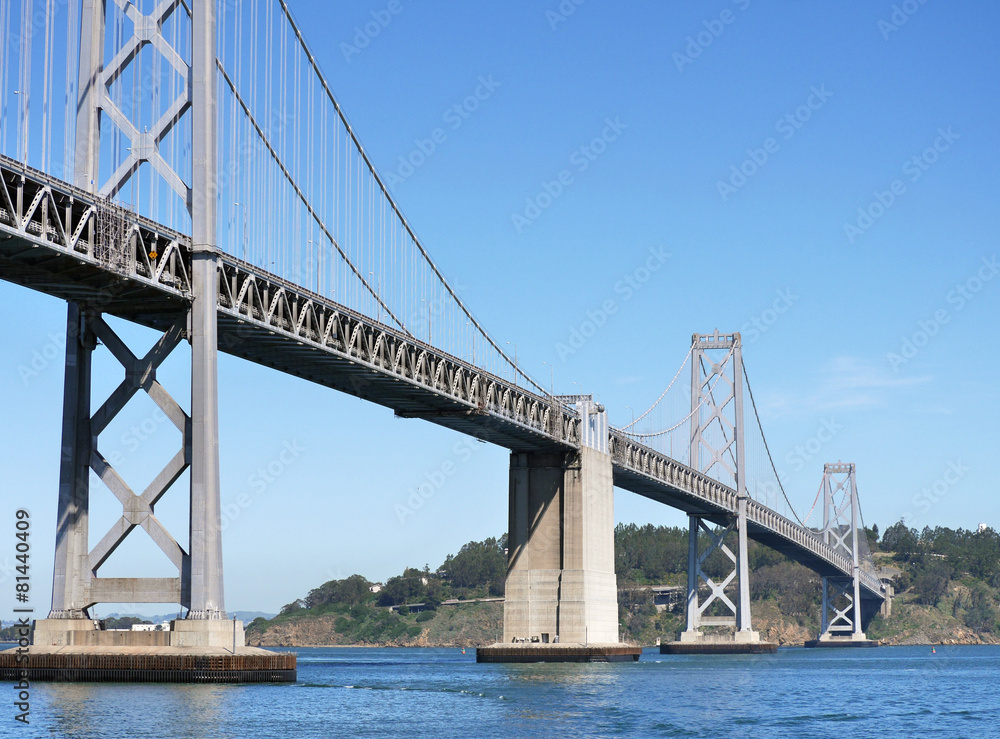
<point x="378" y="180"/>
<point x="47" y="88"/>
<point x="24" y="118"/>
<point x="4" y="53"/>
<point x="69" y="103"/>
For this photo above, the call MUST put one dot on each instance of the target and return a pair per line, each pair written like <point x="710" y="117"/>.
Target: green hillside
<point x="946" y="583"/>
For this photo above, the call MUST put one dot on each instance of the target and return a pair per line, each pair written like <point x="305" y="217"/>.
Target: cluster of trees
<point x="479" y="566"/>
<point x="973" y="553"/>
<point x="658" y="555"/>
<point x="478" y="570"/>
<point x="655" y="555"/>
<point x="935" y="557"/>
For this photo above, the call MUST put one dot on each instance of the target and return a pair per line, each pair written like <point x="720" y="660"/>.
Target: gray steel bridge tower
<point x="717" y="447"/>
<point x="841" y="615"/>
<point x="198" y="586"/>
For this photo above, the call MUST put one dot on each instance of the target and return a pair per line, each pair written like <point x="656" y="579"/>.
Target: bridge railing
<point x="636" y="457"/>
<point x="251" y="294"/>
<point x="46" y="211"/>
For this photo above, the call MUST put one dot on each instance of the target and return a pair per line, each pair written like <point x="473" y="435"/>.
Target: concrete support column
<point x="560" y="572"/>
<point x="588" y="598"/>
<point x="885" y="609"/>
<point x="534" y="546"/>
<point x="71" y="574"/>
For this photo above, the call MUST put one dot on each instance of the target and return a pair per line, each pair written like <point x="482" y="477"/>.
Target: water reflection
<point x="86" y="710"/>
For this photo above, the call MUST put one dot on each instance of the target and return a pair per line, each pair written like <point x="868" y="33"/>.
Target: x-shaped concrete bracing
<point x="718" y="537"/>
<point x="147" y="29"/>
<point x="137" y="510"/>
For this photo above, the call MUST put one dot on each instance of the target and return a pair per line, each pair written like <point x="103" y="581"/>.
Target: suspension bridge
<point x="195" y="174"/>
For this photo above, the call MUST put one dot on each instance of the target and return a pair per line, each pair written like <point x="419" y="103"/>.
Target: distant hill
<point x="946" y="592"/>
<point x="245" y="616"/>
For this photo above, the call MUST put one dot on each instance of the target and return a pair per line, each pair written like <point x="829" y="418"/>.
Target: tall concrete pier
<point x="561" y="601"/>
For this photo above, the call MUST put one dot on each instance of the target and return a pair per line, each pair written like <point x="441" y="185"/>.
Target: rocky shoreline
<point x="320" y="632"/>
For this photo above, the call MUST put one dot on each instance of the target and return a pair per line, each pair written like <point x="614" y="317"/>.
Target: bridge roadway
<point x="48" y="243"/>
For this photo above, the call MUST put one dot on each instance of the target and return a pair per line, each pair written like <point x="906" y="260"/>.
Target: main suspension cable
<point x="777" y="477"/>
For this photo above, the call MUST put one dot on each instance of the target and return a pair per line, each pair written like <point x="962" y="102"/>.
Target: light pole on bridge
<point x="552" y="374"/>
<point x="243" y="205"/>
<point x="430" y="339"/>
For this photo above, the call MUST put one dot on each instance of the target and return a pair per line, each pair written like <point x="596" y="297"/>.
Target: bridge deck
<point x="48" y="242"/>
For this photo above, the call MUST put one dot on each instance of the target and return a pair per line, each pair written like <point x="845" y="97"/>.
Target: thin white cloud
<point x="628" y="380"/>
<point x="846" y="382"/>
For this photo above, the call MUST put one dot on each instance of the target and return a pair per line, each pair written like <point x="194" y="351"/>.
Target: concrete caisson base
<point x="76" y="650"/>
<point x="718" y="647"/>
<point x="524" y="653"/>
<point x="183" y="633"/>
<point x="841" y="643"/>
<point x="147" y="665"/>
<point x="738" y="642"/>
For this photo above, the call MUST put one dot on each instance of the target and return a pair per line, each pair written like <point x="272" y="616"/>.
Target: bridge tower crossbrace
<point x="718" y="449"/>
<point x="842" y="613"/>
<point x="199" y="584"/>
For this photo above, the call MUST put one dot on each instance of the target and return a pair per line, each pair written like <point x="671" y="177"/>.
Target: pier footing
<point x="80" y="650"/>
<point x="532" y="652"/>
<point x="840" y="643"/>
<point x="147" y="665"/>
<point x="718" y="647"/>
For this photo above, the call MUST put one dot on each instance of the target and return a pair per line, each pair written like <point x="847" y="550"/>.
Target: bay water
<point x="884" y="692"/>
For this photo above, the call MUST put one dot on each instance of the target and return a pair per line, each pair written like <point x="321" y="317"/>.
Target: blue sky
<point x="824" y="159"/>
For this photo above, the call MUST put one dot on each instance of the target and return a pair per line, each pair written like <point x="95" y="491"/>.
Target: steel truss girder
<point x="652" y="471"/>
<point x="249" y="295"/>
<point x="282" y="308"/>
<point x="48" y="213"/>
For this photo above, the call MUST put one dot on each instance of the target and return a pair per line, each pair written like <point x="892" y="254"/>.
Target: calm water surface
<point x="889" y="691"/>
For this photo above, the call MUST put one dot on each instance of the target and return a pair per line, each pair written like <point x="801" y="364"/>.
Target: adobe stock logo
<point x="563" y="11"/>
<point x="454" y="116"/>
<point x="914" y="168"/>
<point x="580" y="160"/>
<point x="714" y="28"/>
<point x="625" y="289"/>
<point x="900" y="17"/>
<point x="757" y="157"/>
<point x="958" y="298"/>
<point x="364" y="35"/>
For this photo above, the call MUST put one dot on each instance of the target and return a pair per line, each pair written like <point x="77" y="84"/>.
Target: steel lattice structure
<point x="273" y="322"/>
<point x="79" y="244"/>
